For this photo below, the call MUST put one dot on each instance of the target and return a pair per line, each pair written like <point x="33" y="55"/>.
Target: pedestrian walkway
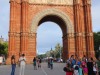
<point x="44" y="70"/>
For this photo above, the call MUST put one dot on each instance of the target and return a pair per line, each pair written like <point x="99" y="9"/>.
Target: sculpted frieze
<point x="65" y="2"/>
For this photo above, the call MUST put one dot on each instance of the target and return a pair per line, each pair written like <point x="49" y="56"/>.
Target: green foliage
<point x="3" y="48"/>
<point x="42" y="56"/>
<point x="56" y="53"/>
<point x="58" y="50"/>
<point x="97" y="43"/>
<point x="96" y="40"/>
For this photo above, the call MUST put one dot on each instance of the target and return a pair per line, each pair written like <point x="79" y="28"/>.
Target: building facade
<point x="1" y="39"/>
<point x="73" y="17"/>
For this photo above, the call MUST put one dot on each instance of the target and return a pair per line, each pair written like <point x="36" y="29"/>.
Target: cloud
<point x="48" y="35"/>
<point x="95" y="2"/>
<point x="4" y="18"/>
<point x="96" y="15"/>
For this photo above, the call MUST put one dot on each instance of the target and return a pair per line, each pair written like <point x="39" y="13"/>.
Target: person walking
<point x="51" y="64"/>
<point x="48" y="63"/>
<point x="22" y="61"/>
<point x="13" y="63"/>
<point x="39" y="63"/>
<point x="34" y="63"/>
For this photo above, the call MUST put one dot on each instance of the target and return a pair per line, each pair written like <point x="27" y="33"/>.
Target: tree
<point x="58" y="50"/>
<point x="3" y="48"/>
<point x="56" y="53"/>
<point x="42" y="56"/>
<point x="96" y="43"/>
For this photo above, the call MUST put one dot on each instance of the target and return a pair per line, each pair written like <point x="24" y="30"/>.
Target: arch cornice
<point x="52" y="11"/>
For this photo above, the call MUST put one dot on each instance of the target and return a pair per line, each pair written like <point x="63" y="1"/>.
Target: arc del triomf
<point x="73" y="17"/>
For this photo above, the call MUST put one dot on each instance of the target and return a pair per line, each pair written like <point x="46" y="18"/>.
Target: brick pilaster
<point x="12" y="30"/>
<point x="24" y="26"/>
<point x="78" y="28"/>
<point x="68" y="45"/>
<point x="88" y="27"/>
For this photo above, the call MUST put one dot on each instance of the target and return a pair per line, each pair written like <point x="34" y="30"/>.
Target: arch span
<point x="65" y="24"/>
<point x="55" y="12"/>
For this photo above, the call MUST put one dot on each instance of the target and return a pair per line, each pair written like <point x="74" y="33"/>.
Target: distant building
<point x="2" y="40"/>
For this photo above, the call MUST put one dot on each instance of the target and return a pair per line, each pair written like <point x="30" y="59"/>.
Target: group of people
<point x="84" y="66"/>
<point x="37" y="63"/>
<point x="22" y="62"/>
<point x="74" y="65"/>
<point x="50" y="63"/>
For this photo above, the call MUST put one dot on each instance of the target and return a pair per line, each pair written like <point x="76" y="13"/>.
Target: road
<point x="29" y="70"/>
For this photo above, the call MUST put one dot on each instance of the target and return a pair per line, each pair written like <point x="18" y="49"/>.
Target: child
<point x="80" y="70"/>
<point x="76" y="68"/>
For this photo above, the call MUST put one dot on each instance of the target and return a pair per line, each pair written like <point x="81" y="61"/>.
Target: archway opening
<point x="49" y="34"/>
<point x="53" y="28"/>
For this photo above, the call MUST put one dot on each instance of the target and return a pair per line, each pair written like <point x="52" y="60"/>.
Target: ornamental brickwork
<point x="73" y="17"/>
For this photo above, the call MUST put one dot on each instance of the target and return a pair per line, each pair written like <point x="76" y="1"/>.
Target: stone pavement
<point x="57" y="70"/>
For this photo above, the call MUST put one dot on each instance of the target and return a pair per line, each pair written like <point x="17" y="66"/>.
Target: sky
<point x="49" y="33"/>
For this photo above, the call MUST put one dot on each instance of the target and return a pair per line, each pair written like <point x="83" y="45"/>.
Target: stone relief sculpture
<point x="66" y="2"/>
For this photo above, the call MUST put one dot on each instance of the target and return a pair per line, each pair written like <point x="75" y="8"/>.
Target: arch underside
<point x="53" y="15"/>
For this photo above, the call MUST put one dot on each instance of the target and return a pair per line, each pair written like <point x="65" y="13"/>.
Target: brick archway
<point x="74" y="19"/>
<point x="65" y="25"/>
<point x="52" y="12"/>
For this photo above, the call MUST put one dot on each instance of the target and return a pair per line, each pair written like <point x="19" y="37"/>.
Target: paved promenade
<point x="57" y="70"/>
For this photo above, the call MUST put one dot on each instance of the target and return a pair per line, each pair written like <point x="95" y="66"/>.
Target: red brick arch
<point x="74" y="19"/>
<point x="47" y="12"/>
